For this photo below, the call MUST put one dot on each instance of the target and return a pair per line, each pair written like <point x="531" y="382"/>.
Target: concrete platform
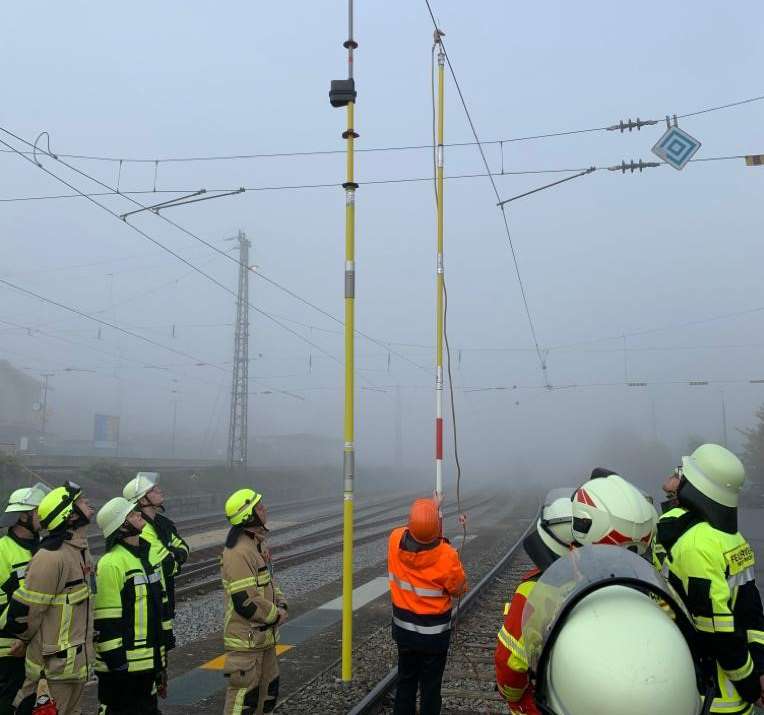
<point x="308" y="643"/>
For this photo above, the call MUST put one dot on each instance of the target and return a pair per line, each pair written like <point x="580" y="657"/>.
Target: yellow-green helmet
<point x="57" y="505"/>
<point x="240" y="506"/>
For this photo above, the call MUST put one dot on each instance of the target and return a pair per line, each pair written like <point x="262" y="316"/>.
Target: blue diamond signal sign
<point x="676" y="147"/>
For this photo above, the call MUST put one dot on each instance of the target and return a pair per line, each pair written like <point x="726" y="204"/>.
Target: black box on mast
<point x="341" y="92"/>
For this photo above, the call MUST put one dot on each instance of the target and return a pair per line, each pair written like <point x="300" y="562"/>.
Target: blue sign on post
<point x="676" y="147"/>
<point x="106" y="431"/>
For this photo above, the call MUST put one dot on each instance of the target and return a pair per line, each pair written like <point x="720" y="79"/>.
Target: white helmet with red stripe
<point x="610" y="510"/>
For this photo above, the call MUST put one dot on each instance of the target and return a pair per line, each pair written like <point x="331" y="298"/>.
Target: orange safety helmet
<point x="424" y="521"/>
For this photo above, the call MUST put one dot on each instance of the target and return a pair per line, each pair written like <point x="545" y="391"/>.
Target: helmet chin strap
<point x="127" y="530"/>
<point x="255" y="522"/>
<point x="81" y="519"/>
<point x="146" y="501"/>
<point x="28" y="523"/>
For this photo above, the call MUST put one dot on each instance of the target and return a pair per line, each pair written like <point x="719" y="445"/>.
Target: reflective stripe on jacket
<point x="713" y="571"/>
<point x="251" y="596"/>
<point x="510" y="659"/>
<point x="52" y="612"/>
<point x="131" y="622"/>
<point x="667" y="522"/>
<point x="15" y="555"/>
<point x="423" y="581"/>
<point x="167" y="549"/>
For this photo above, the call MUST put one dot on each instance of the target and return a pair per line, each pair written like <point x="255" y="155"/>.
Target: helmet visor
<point x="9" y="518"/>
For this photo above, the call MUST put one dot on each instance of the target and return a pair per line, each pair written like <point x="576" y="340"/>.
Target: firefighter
<point x="130" y="614"/>
<point x="255" y="607"/>
<point x="16" y="550"/>
<point x="425" y="575"/>
<point x="167" y="546"/>
<point x="711" y="566"/>
<point x="605" y="634"/>
<point x="51" y="613"/>
<point x="671" y="522"/>
<point x="605" y="510"/>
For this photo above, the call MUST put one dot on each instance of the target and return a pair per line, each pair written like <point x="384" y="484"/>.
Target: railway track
<point x="206" y="522"/>
<point x="468" y="681"/>
<point x="204" y="574"/>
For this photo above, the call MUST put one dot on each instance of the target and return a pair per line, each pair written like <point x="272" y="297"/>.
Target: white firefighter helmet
<point x="591" y="670"/>
<point x="23" y="500"/>
<point x="554" y="525"/>
<point x="113" y="514"/>
<point x="715" y="472"/>
<point x="137" y="488"/>
<point x="611" y="510"/>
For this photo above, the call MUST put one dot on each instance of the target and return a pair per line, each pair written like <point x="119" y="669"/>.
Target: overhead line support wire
<point x="622" y="126"/>
<point x="155" y="241"/>
<point x="631" y="167"/>
<point x="105" y="323"/>
<point x="542" y="361"/>
<point x="211" y="246"/>
<point x="548" y="186"/>
<point x="182" y="201"/>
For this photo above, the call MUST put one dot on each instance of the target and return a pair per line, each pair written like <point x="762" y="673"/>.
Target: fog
<point x="638" y="278"/>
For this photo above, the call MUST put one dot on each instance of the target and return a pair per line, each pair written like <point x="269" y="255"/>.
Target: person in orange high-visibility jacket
<point x="425" y="576"/>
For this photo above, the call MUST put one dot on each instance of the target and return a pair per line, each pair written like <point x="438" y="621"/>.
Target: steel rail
<point x="383" y="686"/>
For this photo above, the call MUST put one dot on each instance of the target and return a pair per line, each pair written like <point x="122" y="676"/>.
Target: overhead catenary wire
<point x="406" y="147"/>
<point x="531" y="324"/>
<point x="333" y="185"/>
<point x="106" y="323"/>
<point x="161" y="245"/>
<point x="226" y="255"/>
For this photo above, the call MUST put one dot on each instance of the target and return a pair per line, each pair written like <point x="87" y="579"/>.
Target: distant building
<point x="19" y="394"/>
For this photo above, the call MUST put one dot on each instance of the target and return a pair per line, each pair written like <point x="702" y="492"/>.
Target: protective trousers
<point x="419" y="669"/>
<point x="122" y="693"/>
<point x="253" y="682"/>
<point x="66" y="693"/>
<point x="11" y="679"/>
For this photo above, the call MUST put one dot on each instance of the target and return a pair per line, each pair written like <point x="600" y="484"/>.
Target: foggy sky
<point x="602" y="256"/>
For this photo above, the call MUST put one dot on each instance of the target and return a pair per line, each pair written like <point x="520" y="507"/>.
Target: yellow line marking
<point x="219" y="662"/>
<point x="214" y="664"/>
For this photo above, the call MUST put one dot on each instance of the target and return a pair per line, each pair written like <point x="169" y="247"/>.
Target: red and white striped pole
<point x="439" y="276"/>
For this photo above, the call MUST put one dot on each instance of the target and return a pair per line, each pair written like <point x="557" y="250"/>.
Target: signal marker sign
<point x="676" y="147"/>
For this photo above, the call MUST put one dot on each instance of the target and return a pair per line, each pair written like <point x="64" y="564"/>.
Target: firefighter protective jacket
<point x="713" y="571"/>
<point x="51" y="611"/>
<point x="15" y="554"/>
<point x="252" y="597"/>
<point x="132" y="623"/>
<point x="424" y="578"/>
<point x="667" y="525"/>
<point x="167" y="549"/>
<point x="510" y="658"/>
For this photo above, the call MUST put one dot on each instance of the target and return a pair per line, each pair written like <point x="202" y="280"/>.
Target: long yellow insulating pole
<point x="349" y="456"/>
<point x="439" y="281"/>
<point x="349" y="431"/>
